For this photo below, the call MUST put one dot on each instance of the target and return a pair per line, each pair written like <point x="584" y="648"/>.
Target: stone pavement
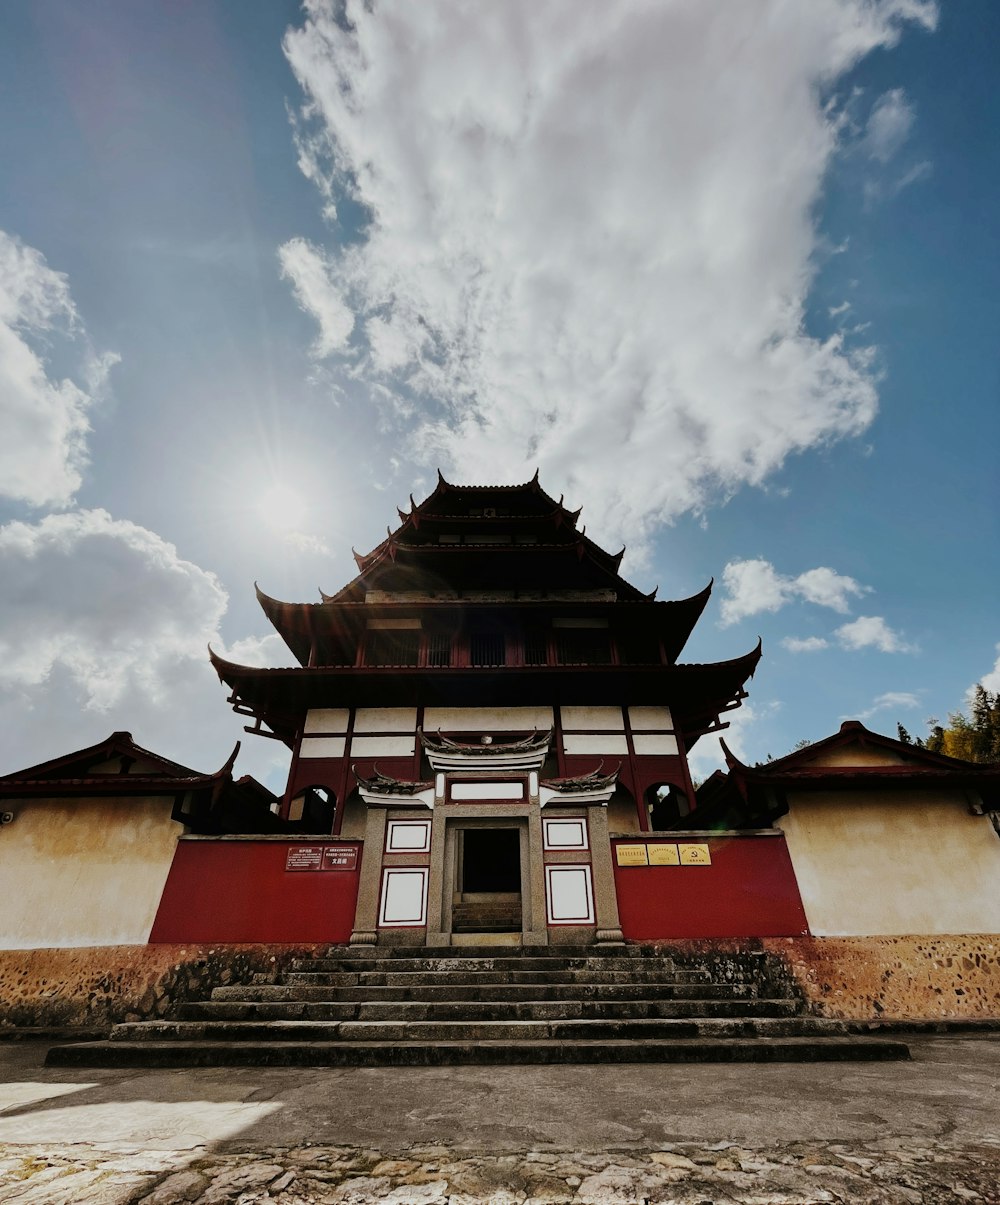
<point x="923" y="1131"/>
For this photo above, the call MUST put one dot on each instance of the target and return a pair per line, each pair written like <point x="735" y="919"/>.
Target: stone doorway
<point x="487" y="890"/>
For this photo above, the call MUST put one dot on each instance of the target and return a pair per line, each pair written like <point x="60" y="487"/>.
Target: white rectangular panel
<point x="487" y="719"/>
<point x="322" y="746"/>
<point x="589" y="718"/>
<point x="647" y="719"/>
<point x="382" y="746"/>
<point x="408" y="837"/>
<point x="385" y="719"/>
<point x="609" y="743"/>
<point x="404" y="897"/>
<point x="663" y="742"/>
<point x="487" y="790"/>
<point x="569" y="895"/>
<point x="326" y="719"/>
<point x="564" y="832"/>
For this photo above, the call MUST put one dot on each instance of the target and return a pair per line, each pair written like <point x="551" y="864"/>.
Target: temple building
<point x="489" y="731"/>
<point x="484" y="706"/>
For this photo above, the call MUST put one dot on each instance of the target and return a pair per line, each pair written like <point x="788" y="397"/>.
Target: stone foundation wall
<point x="854" y="978"/>
<point x="100" y="985"/>
<point x="908" y="978"/>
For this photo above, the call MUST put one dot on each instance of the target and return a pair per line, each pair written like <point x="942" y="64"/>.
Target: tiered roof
<point x="485" y="553"/>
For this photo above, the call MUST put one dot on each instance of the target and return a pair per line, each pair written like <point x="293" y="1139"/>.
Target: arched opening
<point x="668" y="804"/>
<point x="312" y="810"/>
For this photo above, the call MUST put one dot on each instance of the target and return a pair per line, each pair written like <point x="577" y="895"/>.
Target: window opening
<point x="393" y="647"/>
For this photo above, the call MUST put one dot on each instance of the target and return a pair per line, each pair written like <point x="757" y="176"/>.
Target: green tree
<point x="974" y="737"/>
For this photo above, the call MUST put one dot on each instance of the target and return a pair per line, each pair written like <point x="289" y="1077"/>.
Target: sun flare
<point x="283" y="508"/>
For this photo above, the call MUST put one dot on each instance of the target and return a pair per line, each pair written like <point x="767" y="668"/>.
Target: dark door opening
<point x="488" y="895"/>
<point x="491" y="860"/>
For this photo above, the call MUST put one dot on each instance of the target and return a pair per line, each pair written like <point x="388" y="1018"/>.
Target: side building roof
<point x="750" y="796"/>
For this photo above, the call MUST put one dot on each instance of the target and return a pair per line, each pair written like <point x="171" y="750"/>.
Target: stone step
<point x="512" y="962"/>
<point x="560" y="950"/>
<point x="476" y="978"/>
<point x="435" y="1054"/>
<point x="499" y="991"/>
<point x="474" y="1031"/>
<point x="486" y="1010"/>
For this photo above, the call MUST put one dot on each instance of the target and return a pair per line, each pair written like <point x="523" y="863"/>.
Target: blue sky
<point x="726" y="275"/>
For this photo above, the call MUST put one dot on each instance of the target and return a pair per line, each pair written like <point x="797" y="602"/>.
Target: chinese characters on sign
<point x="659" y="854"/>
<point x="321" y="857"/>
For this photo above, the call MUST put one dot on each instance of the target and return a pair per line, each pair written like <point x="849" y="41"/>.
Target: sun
<point x="283" y="508"/>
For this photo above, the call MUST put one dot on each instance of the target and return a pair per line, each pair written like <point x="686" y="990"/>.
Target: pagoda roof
<point x="526" y="508"/>
<point x="299" y="623"/>
<point x="697" y="693"/>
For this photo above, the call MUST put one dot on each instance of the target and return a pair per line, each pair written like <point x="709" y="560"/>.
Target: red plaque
<point x="304" y="857"/>
<point x="340" y="857"/>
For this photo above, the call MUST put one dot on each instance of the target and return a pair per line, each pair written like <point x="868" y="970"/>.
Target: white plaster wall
<point x="385" y="719"/>
<point x="661" y="743"/>
<point x="487" y="719"/>
<point x="646" y="718"/>
<point x="893" y="863"/>
<point x="322" y="746"/>
<point x="608" y="742"/>
<point x="382" y="746"/>
<point x="327" y="719"/>
<point x="83" y="872"/>
<point x="589" y="718"/>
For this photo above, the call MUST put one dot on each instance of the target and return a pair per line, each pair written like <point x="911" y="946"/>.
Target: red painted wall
<point x="240" y="891"/>
<point x="748" y="891"/>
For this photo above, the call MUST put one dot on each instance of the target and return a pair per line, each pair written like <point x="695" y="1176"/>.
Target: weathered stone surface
<point x="179" y="1188"/>
<point x="886" y="1172"/>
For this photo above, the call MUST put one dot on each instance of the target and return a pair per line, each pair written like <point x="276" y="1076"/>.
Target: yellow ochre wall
<point x="83" y="872"/>
<point x="893" y="862"/>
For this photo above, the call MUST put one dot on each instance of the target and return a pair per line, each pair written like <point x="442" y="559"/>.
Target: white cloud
<point x="592" y="226"/>
<point x="105" y="627"/>
<point x="828" y="589"/>
<point x="804" y="644"/>
<point x="991" y="680"/>
<point x="871" y="631"/>
<point x="889" y="125"/>
<point x="102" y="598"/>
<point x="892" y="700"/>
<point x="44" y="419"/>
<point x="754" y="586"/>
<point x="311" y="276"/>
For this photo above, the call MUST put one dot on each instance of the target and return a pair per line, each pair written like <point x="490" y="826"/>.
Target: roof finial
<point x="534" y="480"/>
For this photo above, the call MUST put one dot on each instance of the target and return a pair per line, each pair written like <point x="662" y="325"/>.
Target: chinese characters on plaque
<point x="658" y="853"/>
<point x="321" y="857"/>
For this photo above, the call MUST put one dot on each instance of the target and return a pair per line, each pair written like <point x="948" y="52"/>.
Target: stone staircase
<point x="412" y="1006"/>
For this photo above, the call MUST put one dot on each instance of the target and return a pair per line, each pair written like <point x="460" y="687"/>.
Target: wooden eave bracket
<point x="257" y="729"/>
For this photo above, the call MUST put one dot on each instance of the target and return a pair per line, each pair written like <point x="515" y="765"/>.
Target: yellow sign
<point x="695" y="855"/>
<point x="663" y="855"/>
<point x="631" y="855"/>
